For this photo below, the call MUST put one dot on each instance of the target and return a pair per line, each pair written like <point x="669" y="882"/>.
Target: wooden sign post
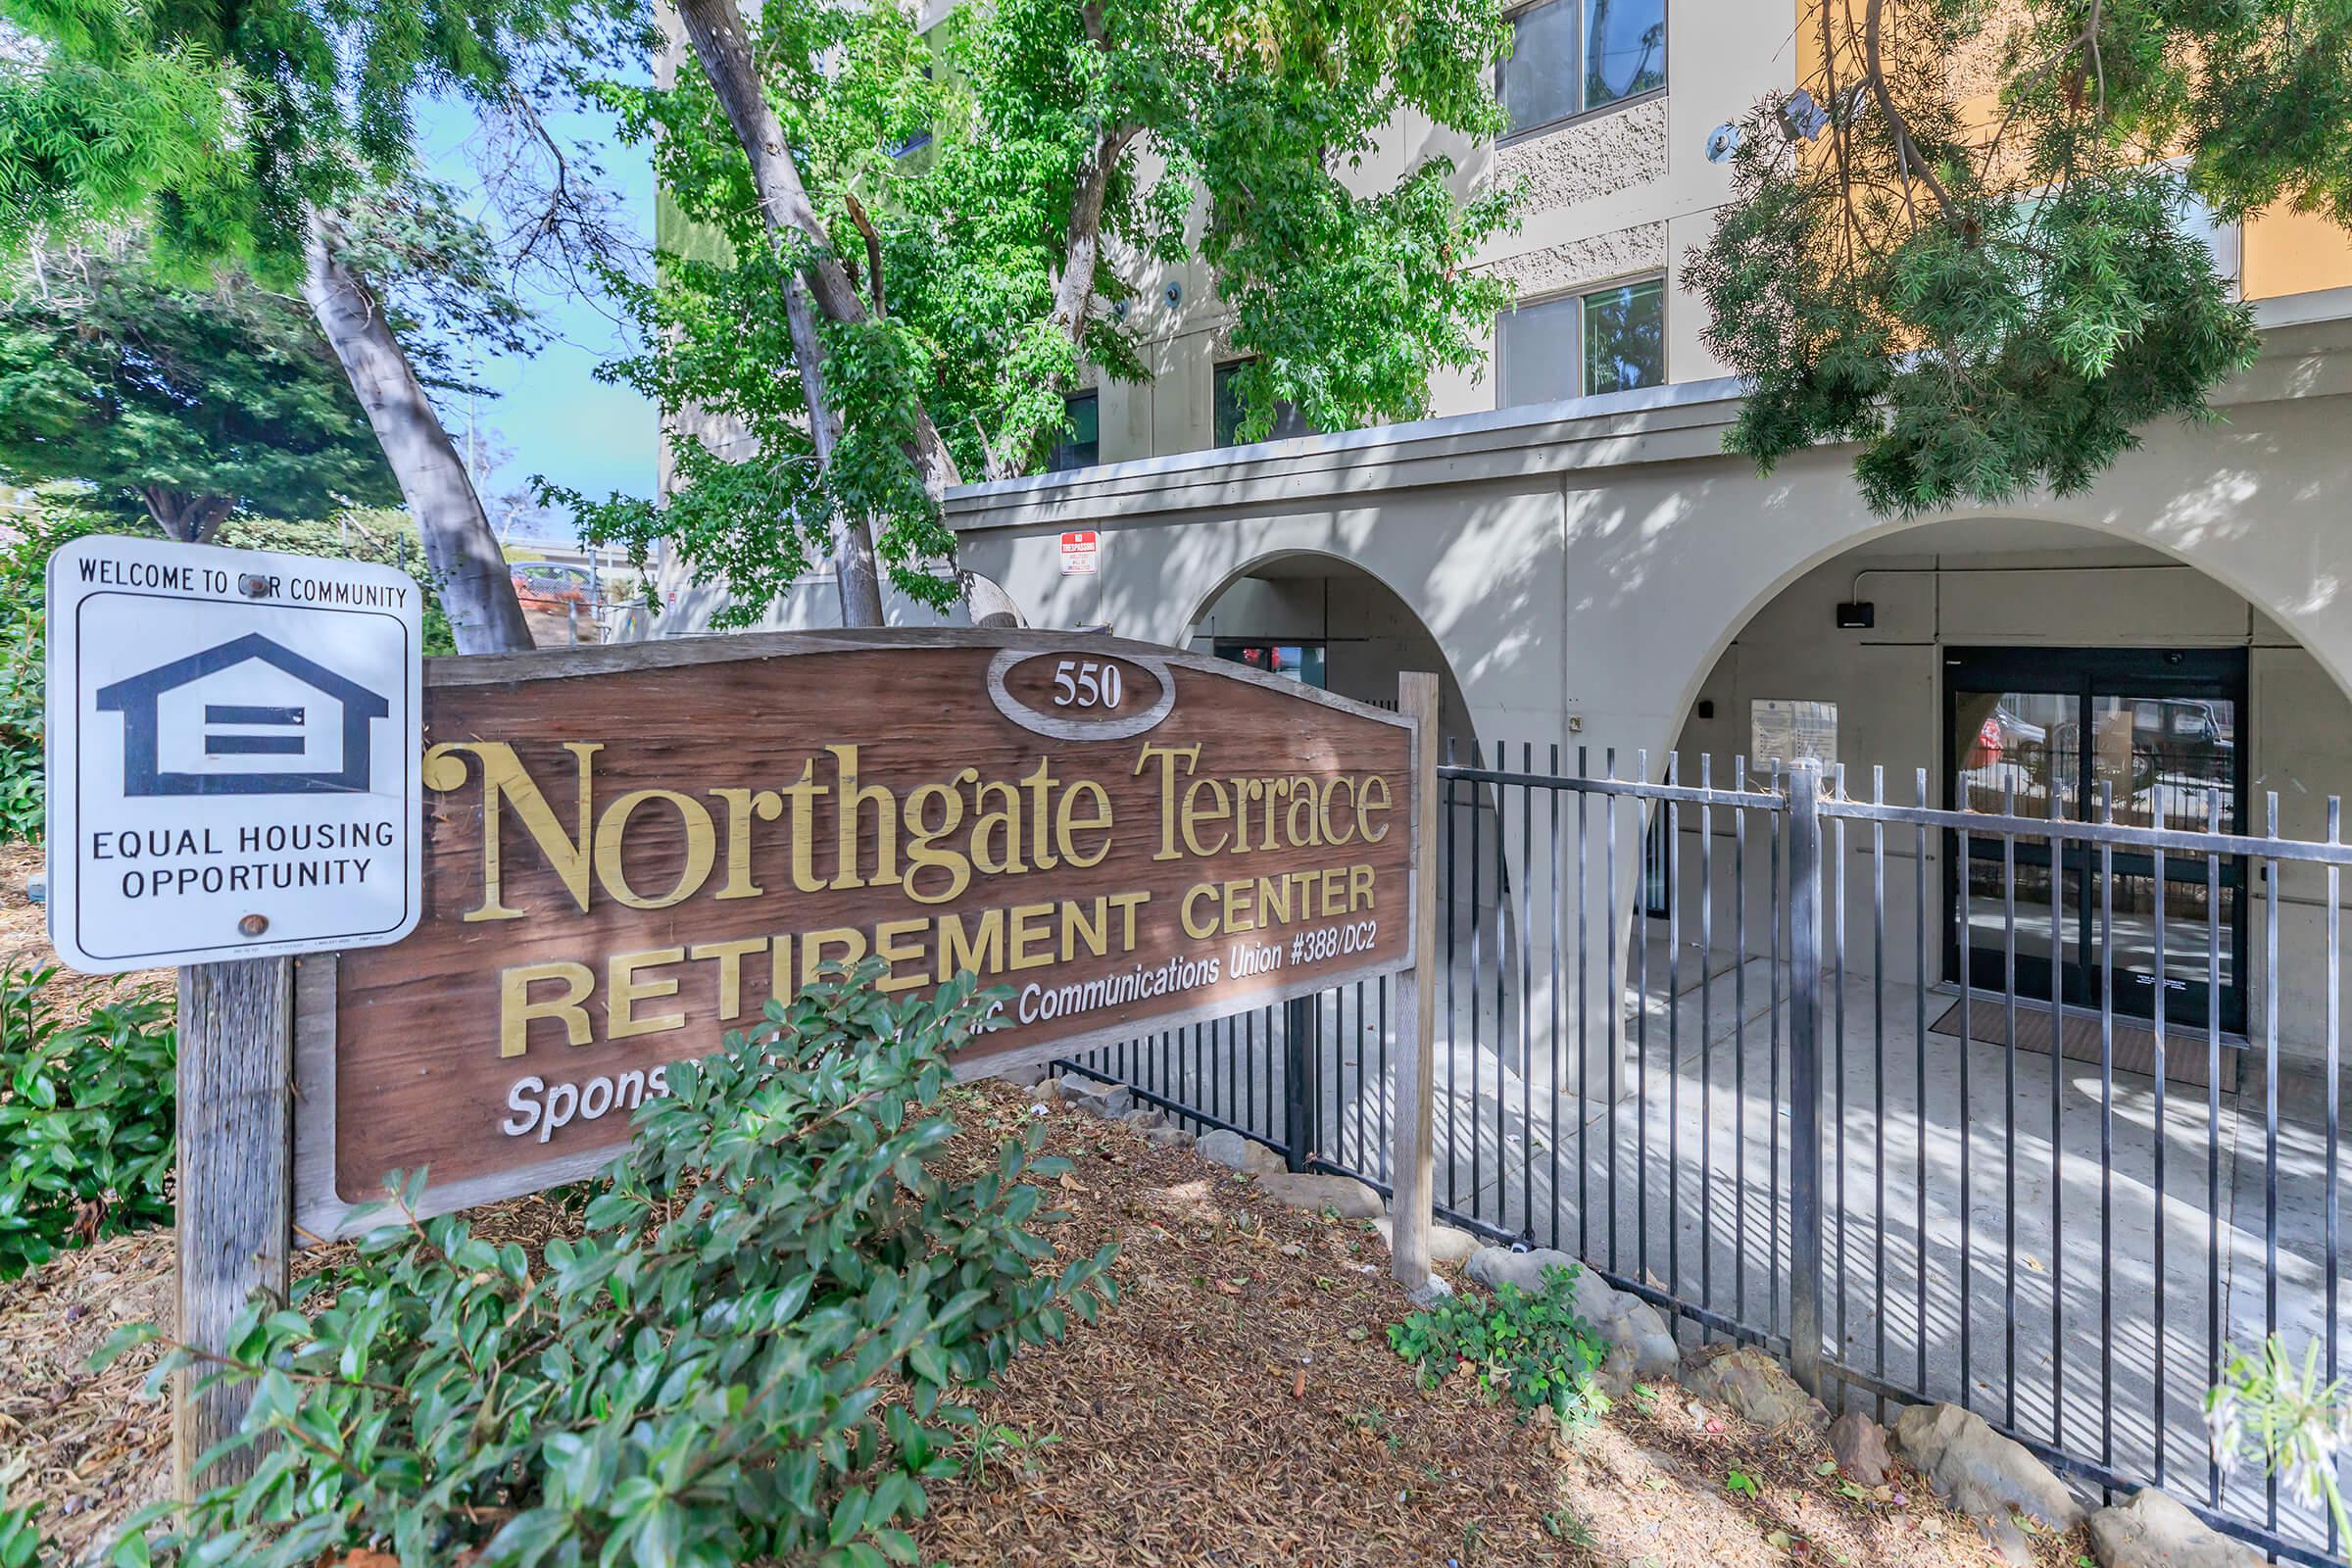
<point x="1414" y="1187"/>
<point x="236" y="1185"/>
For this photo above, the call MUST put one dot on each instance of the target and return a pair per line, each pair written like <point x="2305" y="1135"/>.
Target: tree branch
<point x="1896" y="125"/>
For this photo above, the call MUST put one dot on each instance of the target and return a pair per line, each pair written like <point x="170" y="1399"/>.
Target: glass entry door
<point x="2038" y="732"/>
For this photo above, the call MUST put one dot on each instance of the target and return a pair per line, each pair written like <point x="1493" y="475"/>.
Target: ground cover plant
<point x="1529" y="1346"/>
<point x="751" y="1351"/>
<point x="87" y="1110"/>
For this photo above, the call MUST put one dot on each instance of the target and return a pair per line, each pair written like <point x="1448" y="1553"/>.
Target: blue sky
<point x="560" y="420"/>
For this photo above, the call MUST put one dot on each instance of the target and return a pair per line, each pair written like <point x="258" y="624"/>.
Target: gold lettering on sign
<point x="701" y="846"/>
<point x="504" y="778"/>
<point x="517" y="1009"/>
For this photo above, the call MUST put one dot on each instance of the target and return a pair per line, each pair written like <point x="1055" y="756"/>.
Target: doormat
<point x="2186" y="1053"/>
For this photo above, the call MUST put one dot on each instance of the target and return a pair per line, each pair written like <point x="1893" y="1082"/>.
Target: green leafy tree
<point x="955" y="226"/>
<point x="1992" y="298"/>
<point x="184" y="404"/>
<point x="253" y="136"/>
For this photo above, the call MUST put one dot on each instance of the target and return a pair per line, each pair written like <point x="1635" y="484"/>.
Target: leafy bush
<point x="86" y="1120"/>
<point x="749" y="1354"/>
<point x="20" y="1537"/>
<point x="24" y="594"/>
<point x="1532" y="1347"/>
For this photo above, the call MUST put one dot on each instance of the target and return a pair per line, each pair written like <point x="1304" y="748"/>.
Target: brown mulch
<point x="24" y="944"/>
<point x="1239" y="1407"/>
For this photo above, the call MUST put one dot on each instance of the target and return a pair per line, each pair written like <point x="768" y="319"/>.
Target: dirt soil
<point x="1239" y="1407"/>
<point x="25" y="944"/>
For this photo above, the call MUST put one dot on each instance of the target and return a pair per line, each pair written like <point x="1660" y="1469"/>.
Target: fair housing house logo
<point x="324" y="742"/>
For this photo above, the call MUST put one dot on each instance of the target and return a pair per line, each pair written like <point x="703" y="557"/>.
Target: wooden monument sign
<point x="629" y="850"/>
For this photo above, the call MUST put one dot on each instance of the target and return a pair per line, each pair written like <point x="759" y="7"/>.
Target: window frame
<point x="1579" y="293"/>
<point x="1059" y="444"/>
<point x="1218" y="371"/>
<point x="1583" y="111"/>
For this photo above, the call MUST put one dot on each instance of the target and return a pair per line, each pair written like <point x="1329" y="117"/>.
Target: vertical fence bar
<point x="1477" y="972"/>
<point x="2212" y="1128"/>
<point x="1706" y="1038"/>
<point x="1670" y="848"/>
<point x="1878" y="1077"/>
<point x="1527" y="1040"/>
<point x="1771" y="1086"/>
<point x="2270" y="1134"/>
<point x="1964" y="868"/>
<point x="1919" y="1070"/>
<point x="2334" y="1318"/>
<point x="1804" y="1076"/>
<point x="1584" y="1011"/>
<point x="2058" y="968"/>
<point x="2156" y="805"/>
<point x="1642" y="1027"/>
<point x="1453" y="1132"/>
<point x="2106" y="1127"/>
<point x="2009" y="1097"/>
<point x="1554" y="1085"/>
<point x="1614" y="998"/>
<point x="1739" y="1045"/>
<point x="1298" y="1036"/>
<point x="1833" y="877"/>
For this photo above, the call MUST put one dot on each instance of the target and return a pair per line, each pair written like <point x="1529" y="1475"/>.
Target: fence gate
<point x="1755" y="1049"/>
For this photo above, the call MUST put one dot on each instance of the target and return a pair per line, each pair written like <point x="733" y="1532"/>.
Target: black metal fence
<point x="1732" y="1044"/>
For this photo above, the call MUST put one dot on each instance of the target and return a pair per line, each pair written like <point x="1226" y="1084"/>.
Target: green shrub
<point x="85" y="1119"/>
<point x="2296" y="1421"/>
<point x="1532" y="1346"/>
<point x="750" y="1354"/>
<point x="20" y="1537"/>
<point x="24" y="592"/>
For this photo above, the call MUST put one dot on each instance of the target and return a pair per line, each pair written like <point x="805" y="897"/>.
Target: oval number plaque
<point x="1080" y="694"/>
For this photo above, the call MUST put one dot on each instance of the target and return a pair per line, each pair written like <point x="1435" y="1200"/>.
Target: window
<point x="1569" y="57"/>
<point x="1303" y="662"/>
<point x="1288" y="421"/>
<point x="1081" y="444"/>
<point x="1609" y="341"/>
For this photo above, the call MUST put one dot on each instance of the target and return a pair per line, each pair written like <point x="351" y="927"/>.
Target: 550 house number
<point x="1085" y="684"/>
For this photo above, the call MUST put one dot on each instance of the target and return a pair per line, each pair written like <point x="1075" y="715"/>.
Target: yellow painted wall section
<point x="2287" y="252"/>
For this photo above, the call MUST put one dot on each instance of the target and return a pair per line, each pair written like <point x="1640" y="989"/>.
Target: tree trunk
<point x="855" y="576"/>
<point x="190" y="519"/>
<point x="715" y="29"/>
<point x="475" y="588"/>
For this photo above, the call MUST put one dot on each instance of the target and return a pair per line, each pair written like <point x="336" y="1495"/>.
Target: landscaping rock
<point x="1316" y="1192"/>
<point x="1430" y="1291"/>
<point x="1446" y="1244"/>
<point x="2153" y="1531"/>
<point x="1169" y="1137"/>
<point x="1496" y="1266"/>
<point x="1860" y="1446"/>
<point x="1111" y="1101"/>
<point x="1248" y="1155"/>
<point x="1026" y="1074"/>
<point x="1145" y="1117"/>
<point x="1625" y="1323"/>
<point x="1747" y="1381"/>
<point x="1985" y="1475"/>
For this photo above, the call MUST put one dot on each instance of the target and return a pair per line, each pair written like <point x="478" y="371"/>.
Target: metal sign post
<point x="232" y="766"/>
